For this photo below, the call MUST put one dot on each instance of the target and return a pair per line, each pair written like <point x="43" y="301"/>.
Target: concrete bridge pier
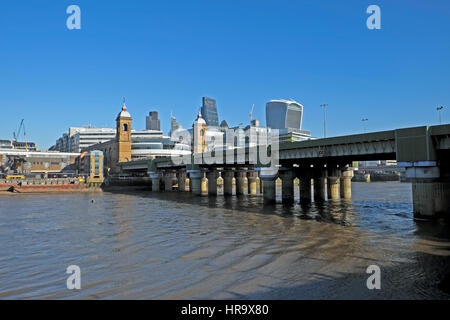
<point x="430" y="190"/>
<point x="252" y="176"/>
<point x="170" y="178"/>
<point x="196" y="177"/>
<point x="333" y="182"/>
<point x="228" y="176"/>
<point x="304" y="176"/>
<point x="320" y="174"/>
<point x="156" y="178"/>
<point x="333" y="188"/>
<point x="212" y="176"/>
<point x="204" y="184"/>
<point x="258" y="184"/>
<point x="346" y="182"/>
<point x="287" y="185"/>
<point x="268" y="176"/>
<point x="241" y="175"/>
<point x="181" y="176"/>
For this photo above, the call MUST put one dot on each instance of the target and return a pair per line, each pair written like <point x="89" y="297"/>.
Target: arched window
<point x="125" y="127"/>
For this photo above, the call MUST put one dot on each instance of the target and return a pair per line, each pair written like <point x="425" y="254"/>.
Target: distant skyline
<point x="166" y="56"/>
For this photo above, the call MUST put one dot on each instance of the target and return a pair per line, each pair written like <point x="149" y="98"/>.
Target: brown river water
<point x="142" y="245"/>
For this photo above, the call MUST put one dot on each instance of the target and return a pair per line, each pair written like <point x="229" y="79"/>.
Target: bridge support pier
<point x="228" y="176"/>
<point x="268" y="176"/>
<point x="304" y="177"/>
<point x="241" y="175"/>
<point x="181" y="180"/>
<point x="333" y="182"/>
<point x="212" y="177"/>
<point x="430" y="191"/>
<point x="204" y="184"/>
<point x="287" y="185"/>
<point x="431" y="199"/>
<point x="251" y="178"/>
<point x="346" y="183"/>
<point x="156" y="177"/>
<point x="258" y="184"/>
<point x="333" y="188"/>
<point x="170" y="179"/>
<point x="320" y="174"/>
<point x="195" y="177"/>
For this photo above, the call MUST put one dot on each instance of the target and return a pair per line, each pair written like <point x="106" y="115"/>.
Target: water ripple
<point x="171" y="245"/>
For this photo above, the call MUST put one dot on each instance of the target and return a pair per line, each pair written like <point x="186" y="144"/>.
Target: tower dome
<point x="199" y="119"/>
<point x="124" y="113"/>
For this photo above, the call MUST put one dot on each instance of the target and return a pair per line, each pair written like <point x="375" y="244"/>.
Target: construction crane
<point x="16" y="135"/>
<point x="251" y="113"/>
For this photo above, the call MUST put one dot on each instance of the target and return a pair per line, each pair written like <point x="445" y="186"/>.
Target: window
<point x="125" y="127"/>
<point x="97" y="164"/>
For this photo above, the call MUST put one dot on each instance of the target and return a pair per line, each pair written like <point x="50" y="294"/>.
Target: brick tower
<point x="123" y="135"/>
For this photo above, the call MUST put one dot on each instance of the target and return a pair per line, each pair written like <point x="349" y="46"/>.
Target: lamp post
<point x="364" y="121"/>
<point x="439" y="110"/>
<point x="324" y="119"/>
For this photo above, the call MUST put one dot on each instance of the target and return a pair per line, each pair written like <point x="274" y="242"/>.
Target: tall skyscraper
<point x="284" y="114"/>
<point x="174" y="125"/>
<point x="209" y="111"/>
<point x="152" y="122"/>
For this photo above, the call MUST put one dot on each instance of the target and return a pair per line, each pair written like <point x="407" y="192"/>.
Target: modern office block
<point x="284" y="114"/>
<point x="209" y="111"/>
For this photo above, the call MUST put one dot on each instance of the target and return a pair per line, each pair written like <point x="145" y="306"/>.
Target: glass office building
<point x="284" y="114"/>
<point x="152" y="121"/>
<point x="209" y="112"/>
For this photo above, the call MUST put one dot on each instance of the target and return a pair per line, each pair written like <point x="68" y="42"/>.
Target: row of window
<point x="46" y="165"/>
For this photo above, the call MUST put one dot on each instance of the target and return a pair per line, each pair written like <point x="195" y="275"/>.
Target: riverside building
<point x="127" y="144"/>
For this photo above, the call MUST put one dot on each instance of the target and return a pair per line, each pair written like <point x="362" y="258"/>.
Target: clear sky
<point x="166" y="55"/>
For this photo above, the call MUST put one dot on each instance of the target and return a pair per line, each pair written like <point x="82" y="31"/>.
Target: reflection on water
<point x="177" y="246"/>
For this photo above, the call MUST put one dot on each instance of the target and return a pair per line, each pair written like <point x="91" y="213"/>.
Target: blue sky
<point x="166" y="55"/>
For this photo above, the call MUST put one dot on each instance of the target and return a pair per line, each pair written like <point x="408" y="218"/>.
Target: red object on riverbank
<point x="35" y="188"/>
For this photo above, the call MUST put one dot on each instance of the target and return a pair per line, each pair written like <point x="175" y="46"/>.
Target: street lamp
<point x="324" y="119"/>
<point x="439" y="110"/>
<point x="364" y="121"/>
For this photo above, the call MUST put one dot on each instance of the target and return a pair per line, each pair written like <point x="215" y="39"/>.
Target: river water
<point x="142" y="245"/>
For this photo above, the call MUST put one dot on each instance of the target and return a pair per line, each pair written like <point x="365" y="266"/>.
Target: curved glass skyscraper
<point x="284" y="114"/>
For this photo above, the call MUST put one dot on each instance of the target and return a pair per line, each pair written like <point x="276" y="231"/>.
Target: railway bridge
<point x="424" y="152"/>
